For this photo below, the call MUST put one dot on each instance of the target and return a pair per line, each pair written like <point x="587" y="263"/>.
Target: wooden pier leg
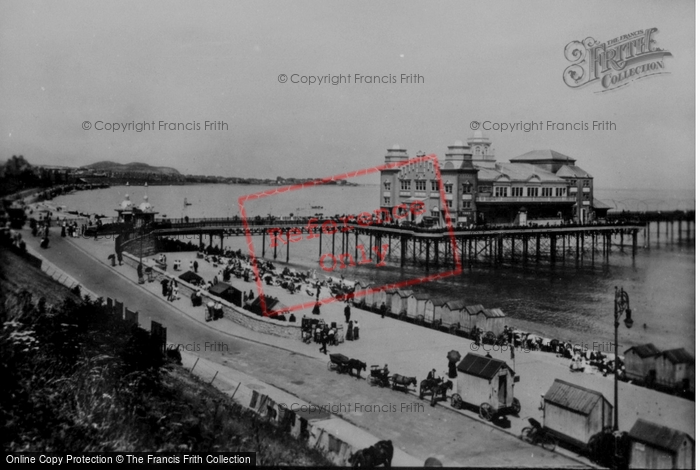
<point x="402" y="240"/>
<point x="288" y="245"/>
<point x="320" y="242"/>
<point x="263" y="244"/>
<point x="333" y="244"/>
<point x="552" y="248"/>
<point x="537" y="249"/>
<point x="356" y="246"/>
<point x="437" y="252"/>
<point x="577" y="246"/>
<point x="525" y="249"/>
<point x="512" y="249"/>
<point x="634" y="243"/>
<point x="200" y="239"/>
<point x="413" y="242"/>
<point x="274" y="256"/>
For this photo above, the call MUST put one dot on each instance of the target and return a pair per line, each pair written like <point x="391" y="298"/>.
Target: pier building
<point x="538" y="187"/>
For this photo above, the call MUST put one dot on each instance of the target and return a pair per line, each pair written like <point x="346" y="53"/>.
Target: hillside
<point x="134" y="167"/>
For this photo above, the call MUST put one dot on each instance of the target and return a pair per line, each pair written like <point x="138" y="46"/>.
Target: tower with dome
<point x="129" y="213"/>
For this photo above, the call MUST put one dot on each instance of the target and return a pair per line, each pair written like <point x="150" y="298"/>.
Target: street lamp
<point x="622" y="305"/>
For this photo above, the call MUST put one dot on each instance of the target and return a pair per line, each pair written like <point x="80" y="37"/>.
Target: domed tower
<point x="456" y="154"/>
<point x="396" y="154"/>
<point x="482" y="152"/>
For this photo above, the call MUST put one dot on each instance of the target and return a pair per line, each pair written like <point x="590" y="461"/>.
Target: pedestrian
<point x="318" y="290"/>
<point x="119" y="257"/>
<point x="349" y="334"/>
<point x="382" y="309"/>
<point x="356" y="330"/>
<point x="63" y="229"/>
<point x="139" y="271"/>
<point x="191" y="266"/>
<point x="347" y="313"/>
<point x="431" y="375"/>
<point x="170" y="292"/>
<point x="176" y="292"/>
<point x="164" y="284"/>
<point x="317" y="309"/>
<point x="324" y="342"/>
<point x="195" y="265"/>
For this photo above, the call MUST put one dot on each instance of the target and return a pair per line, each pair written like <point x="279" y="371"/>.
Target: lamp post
<point x="622" y="305"/>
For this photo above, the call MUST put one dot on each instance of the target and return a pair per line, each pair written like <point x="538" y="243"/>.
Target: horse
<point x="402" y="381"/>
<point x="380" y="453"/>
<point x="440" y="389"/>
<point x="427" y="385"/>
<point x="356" y="364"/>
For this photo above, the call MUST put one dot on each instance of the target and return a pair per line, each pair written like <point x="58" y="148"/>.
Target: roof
<point x="536" y="155"/>
<point x="493" y="313"/>
<point x="481" y="366"/>
<point x="220" y="288"/>
<point x="644" y="350"/>
<point x="420" y="295"/>
<point x="189" y="276"/>
<point x="573" y="397"/>
<point x="474" y="309"/>
<point x="405" y="293"/>
<point x="455" y="304"/>
<point x="658" y="436"/>
<point x="678" y="356"/>
<point x="518" y="172"/>
<point x="573" y="171"/>
<point x="597" y="204"/>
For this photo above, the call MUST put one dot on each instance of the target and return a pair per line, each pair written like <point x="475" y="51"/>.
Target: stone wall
<point x="231" y="312"/>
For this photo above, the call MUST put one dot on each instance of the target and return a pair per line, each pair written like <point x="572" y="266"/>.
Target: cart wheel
<point x="369" y="379"/>
<point x="486" y="412"/>
<point x="456" y="401"/>
<point x="330" y="365"/>
<point x="516" y="406"/>
<point x="420" y="393"/>
<point x="526" y="434"/>
<point x="548" y="442"/>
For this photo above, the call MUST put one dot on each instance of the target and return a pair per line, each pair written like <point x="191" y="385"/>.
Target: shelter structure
<point x="574" y="414"/>
<point x="656" y="446"/>
<point x="676" y="368"/>
<point x="640" y="362"/>
<point x="229" y="293"/>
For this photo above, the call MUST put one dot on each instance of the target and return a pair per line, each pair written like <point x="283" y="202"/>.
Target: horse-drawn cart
<point x="378" y="376"/>
<point x="339" y="363"/>
<point x="488" y="384"/>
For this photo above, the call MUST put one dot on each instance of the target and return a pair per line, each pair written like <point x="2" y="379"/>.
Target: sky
<point x="71" y="62"/>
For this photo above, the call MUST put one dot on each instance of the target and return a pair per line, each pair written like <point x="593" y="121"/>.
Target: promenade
<point x="409" y="350"/>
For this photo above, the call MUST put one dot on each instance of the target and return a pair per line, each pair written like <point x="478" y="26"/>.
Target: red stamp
<point x="285" y="233"/>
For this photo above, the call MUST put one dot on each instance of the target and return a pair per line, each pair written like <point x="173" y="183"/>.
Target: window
<point x="466" y="188"/>
<point x="405" y="185"/>
<point x="517" y="191"/>
<point x="546" y="192"/>
<point x="532" y="191"/>
<point x="466" y="205"/>
<point x="572" y="182"/>
<point x="500" y="191"/>
<point x="485" y="189"/>
<point x="586" y="183"/>
<point x="448" y="188"/>
<point x="387" y="186"/>
<point x="387" y="201"/>
<point x="435" y="185"/>
<point x="449" y="203"/>
<point x="420" y="185"/>
<point x="561" y="192"/>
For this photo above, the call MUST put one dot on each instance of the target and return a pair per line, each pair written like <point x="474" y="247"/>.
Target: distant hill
<point x="134" y="167"/>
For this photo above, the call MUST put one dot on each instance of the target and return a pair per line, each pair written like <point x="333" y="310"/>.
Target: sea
<point x="568" y="300"/>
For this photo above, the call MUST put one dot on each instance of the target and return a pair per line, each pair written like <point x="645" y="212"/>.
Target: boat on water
<point x="187" y="203"/>
<point x="317" y="207"/>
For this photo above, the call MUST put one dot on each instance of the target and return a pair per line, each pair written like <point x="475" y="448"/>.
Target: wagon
<point x="339" y="363"/>
<point x="487" y="384"/>
<point x="378" y="376"/>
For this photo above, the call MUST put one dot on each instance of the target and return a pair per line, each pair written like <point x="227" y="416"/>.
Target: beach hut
<point x="358" y="300"/>
<point x="452" y="313"/>
<point x="574" y="414"/>
<point x="428" y="310"/>
<point x="441" y="309"/>
<point x="415" y="305"/>
<point x="491" y="319"/>
<point x="486" y="383"/>
<point x="640" y="362"/>
<point x="399" y="301"/>
<point x="469" y="316"/>
<point x="656" y="446"/>
<point x="388" y="298"/>
<point x="228" y="293"/>
<point x="675" y="368"/>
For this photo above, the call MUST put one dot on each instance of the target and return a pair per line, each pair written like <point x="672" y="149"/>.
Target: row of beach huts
<point x="418" y="307"/>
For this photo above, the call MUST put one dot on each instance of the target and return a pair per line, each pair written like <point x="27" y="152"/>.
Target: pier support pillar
<point x="552" y="248"/>
<point x="263" y="244"/>
<point x="288" y="246"/>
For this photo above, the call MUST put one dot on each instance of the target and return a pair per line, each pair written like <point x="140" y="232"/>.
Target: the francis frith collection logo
<point x="615" y="63"/>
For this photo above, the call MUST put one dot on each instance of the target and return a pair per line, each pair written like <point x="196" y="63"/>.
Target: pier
<point x="429" y="247"/>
